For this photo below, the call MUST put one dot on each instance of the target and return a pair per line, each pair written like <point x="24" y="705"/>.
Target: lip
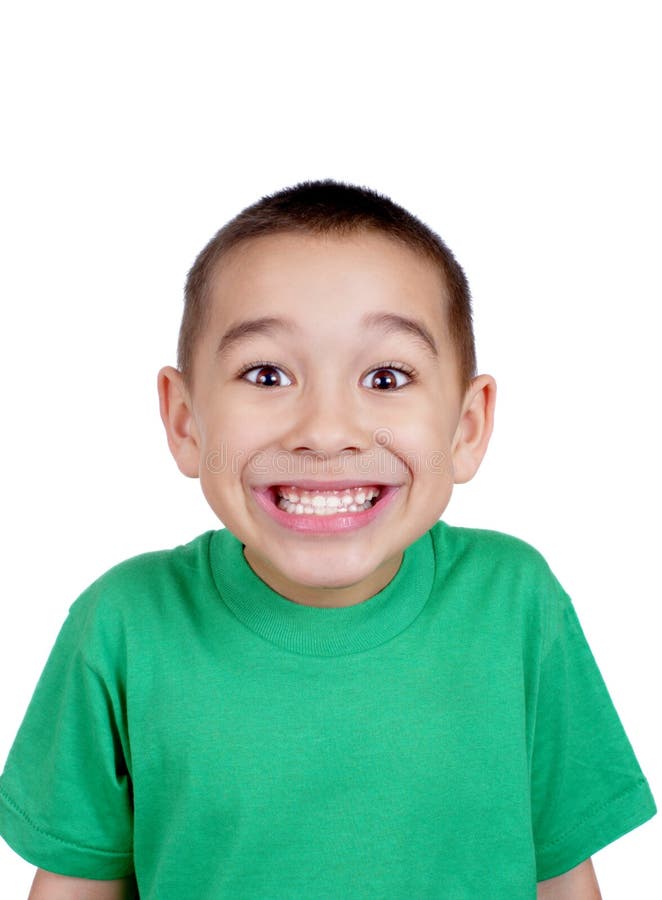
<point x="333" y="524"/>
<point x="326" y="485"/>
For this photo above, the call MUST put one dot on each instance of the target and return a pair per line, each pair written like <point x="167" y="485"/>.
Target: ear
<point x="474" y="428"/>
<point x="177" y="416"/>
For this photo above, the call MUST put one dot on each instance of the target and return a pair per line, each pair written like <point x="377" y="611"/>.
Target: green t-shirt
<point x="450" y="737"/>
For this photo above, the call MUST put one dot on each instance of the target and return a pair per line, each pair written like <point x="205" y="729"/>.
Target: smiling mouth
<point x="299" y="502"/>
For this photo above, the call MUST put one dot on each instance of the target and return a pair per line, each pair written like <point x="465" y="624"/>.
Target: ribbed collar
<point x="316" y="631"/>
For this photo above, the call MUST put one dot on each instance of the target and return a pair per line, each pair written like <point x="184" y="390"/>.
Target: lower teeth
<point x="298" y="509"/>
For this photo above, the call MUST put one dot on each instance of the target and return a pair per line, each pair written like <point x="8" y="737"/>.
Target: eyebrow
<point x="250" y="327"/>
<point x="392" y="323"/>
<point x="389" y="323"/>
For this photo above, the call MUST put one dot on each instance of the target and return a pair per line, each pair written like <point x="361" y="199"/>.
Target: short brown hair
<point x="328" y="207"/>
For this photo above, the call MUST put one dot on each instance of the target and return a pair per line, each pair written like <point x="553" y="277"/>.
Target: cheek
<point x="236" y="425"/>
<point x="424" y="446"/>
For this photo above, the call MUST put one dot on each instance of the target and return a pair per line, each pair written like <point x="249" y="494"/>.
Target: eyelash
<point x="258" y="364"/>
<point x="393" y="365"/>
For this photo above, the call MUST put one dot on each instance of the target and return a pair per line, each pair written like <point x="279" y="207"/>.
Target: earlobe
<point x="474" y="428"/>
<point x="177" y="417"/>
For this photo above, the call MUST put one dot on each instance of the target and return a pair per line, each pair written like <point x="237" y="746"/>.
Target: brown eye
<point x="386" y="379"/>
<point x="267" y="376"/>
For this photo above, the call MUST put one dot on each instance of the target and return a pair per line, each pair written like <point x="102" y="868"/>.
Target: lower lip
<point x="330" y="524"/>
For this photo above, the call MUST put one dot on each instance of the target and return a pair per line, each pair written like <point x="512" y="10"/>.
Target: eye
<point x="266" y="375"/>
<point x="389" y="377"/>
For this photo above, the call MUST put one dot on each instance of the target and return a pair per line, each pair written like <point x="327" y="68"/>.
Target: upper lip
<point x="307" y="485"/>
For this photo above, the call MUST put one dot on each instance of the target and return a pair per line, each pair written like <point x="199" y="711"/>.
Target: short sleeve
<point x="587" y="786"/>
<point x="65" y="793"/>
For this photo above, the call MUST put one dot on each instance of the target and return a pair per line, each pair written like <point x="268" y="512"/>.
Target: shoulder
<point x="156" y="565"/>
<point x="488" y="550"/>
<point x="501" y="573"/>
<point x="131" y="588"/>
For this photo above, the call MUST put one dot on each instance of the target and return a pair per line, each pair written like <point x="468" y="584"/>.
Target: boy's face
<point x="326" y="399"/>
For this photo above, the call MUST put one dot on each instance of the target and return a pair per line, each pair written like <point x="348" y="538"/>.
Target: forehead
<point x="326" y="281"/>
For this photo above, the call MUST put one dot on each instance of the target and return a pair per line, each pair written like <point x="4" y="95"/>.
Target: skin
<point x="323" y="417"/>
<point x="48" y="886"/>
<point x="579" y="883"/>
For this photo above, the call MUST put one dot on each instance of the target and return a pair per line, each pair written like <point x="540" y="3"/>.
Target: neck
<point x="324" y="597"/>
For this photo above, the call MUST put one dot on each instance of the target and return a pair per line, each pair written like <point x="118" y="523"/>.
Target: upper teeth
<point x="329" y="498"/>
<point x="303" y="500"/>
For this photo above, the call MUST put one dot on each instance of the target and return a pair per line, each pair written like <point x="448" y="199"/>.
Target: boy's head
<point x="326" y="394"/>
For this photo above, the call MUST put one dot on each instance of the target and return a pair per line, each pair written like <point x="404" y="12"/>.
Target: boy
<point x="337" y="695"/>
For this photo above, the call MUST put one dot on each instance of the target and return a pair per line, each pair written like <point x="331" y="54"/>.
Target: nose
<point x="326" y="421"/>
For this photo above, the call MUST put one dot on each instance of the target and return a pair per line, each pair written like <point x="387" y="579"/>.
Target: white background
<point x="526" y="134"/>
